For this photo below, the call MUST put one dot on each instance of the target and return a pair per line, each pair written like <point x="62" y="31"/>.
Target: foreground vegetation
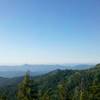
<point x="56" y="85"/>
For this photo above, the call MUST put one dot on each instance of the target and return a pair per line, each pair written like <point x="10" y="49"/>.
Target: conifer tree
<point x="27" y="89"/>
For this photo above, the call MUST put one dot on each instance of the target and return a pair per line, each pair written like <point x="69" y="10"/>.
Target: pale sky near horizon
<point x="49" y="31"/>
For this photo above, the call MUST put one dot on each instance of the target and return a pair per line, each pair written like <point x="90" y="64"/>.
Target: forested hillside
<point x="56" y="85"/>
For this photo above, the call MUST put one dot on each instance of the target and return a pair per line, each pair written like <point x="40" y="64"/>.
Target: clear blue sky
<point x="49" y="31"/>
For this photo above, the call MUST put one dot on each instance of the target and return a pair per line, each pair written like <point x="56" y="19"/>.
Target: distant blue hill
<point x="20" y="70"/>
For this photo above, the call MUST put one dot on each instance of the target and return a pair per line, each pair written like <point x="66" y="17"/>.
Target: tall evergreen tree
<point x="27" y="89"/>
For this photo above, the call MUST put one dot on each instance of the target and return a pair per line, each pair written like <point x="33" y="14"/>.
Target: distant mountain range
<point x="20" y="70"/>
<point x="69" y="79"/>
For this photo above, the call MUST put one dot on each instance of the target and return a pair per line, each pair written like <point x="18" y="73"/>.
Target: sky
<point x="49" y="31"/>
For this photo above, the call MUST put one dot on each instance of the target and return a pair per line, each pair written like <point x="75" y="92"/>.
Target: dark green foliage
<point x="56" y="85"/>
<point x="27" y="89"/>
<point x="3" y="97"/>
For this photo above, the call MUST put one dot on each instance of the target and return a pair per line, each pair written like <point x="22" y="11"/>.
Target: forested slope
<point x="56" y="85"/>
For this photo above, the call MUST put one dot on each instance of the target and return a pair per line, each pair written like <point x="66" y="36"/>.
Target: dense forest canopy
<point x="56" y="85"/>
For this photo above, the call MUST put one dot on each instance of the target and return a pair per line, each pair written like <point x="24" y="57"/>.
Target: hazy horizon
<point x="63" y="64"/>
